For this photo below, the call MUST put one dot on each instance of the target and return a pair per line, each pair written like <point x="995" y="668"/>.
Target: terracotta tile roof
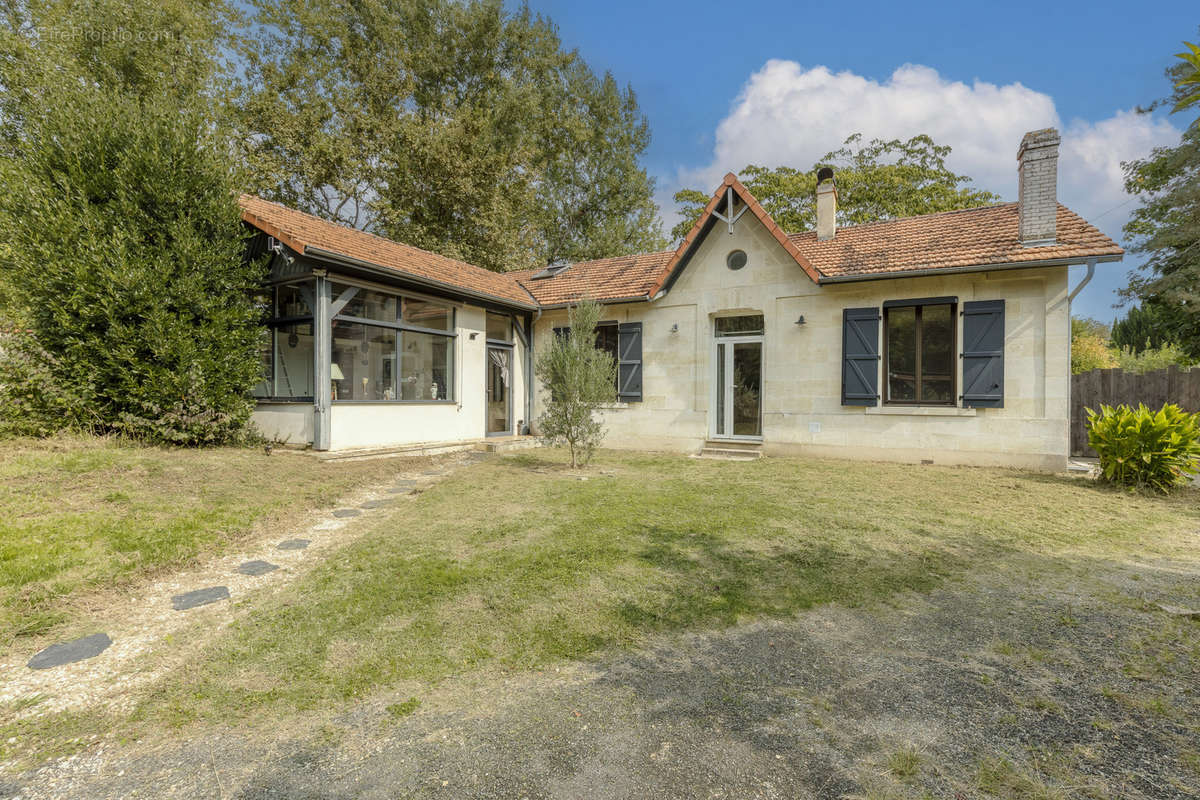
<point x="977" y="237"/>
<point x="618" y="278"/>
<point x="968" y="238"/>
<point x="301" y="232"/>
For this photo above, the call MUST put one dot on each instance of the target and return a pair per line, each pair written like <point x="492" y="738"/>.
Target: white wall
<point x="802" y="411"/>
<point x="361" y="425"/>
<point x="291" y="423"/>
<point x="368" y="425"/>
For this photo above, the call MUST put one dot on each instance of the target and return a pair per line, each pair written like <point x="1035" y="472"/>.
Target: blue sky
<point x="725" y="84"/>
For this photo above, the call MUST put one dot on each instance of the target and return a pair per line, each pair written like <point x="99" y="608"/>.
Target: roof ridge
<point x="931" y="214"/>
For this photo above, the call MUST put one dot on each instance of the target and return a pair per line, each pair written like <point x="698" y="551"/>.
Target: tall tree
<point x="458" y="127"/>
<point x="1187" y="84"/>
<point x="1145" y="327"/>
<point x="881" y="179"/>
<point x="49" y="49"/>
<point x="1166" y="228"/>
<point x="121" y="228"/>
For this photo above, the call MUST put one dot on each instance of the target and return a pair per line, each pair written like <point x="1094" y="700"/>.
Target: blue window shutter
<point x="860" y="357"/>
<point x="629" y="362"/>
<point x="983" y="354"/>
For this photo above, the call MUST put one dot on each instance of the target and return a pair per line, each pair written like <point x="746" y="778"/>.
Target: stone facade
<point x="801" y="381"/>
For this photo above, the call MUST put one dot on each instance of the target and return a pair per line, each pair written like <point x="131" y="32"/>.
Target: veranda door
<point x="499" y="391"/>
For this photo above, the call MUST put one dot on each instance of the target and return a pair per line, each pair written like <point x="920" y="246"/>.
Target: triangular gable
<point x="730" y="187"/>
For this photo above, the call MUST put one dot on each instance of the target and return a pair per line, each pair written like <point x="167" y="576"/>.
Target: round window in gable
<point x="736" y="259"/>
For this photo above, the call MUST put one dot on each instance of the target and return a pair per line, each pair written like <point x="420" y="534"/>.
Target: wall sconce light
<point x="801" y="320"/>
<point x="675" y="328"/>
<point x="473" y="335"/>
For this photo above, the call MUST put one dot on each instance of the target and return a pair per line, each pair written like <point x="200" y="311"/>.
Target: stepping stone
<point x="406" y="482"/>
<point x="375" y="504"/>
<point x="69" y="652"/>
<point x="256" y="568"/>
<point x="433" y="472"/>
<point x="200" y="597"/>
<point x="347" y="512"/>
<point x="293" y="544"/>
<point x="399" y="490"/>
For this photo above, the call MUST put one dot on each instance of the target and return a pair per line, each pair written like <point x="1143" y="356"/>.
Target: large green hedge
<point x="125" y="250"/>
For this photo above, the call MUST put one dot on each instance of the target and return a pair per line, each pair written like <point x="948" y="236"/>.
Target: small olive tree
<point x="580" y="379"/>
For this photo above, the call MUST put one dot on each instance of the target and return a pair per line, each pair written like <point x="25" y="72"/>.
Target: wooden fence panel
<point x="1112" y="387"/>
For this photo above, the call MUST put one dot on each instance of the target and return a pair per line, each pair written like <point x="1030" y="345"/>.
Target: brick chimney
<point x="1037" y="173"/>
<point x="826" y="205"/>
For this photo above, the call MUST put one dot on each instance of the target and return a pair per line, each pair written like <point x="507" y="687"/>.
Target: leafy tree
<point x="1089" y="346"/>
<point x="1187" y="82"/>
<point x="881" y="179"/>
<point x="1166" y="228"/>
<point x="48" y="46"/>
<point x="1143" y="327"/>
<point x="121" y="225"/>
<point x="457" y="127"/>
<point x="1089" y="352"/>
<point x="1086" y="326"/>
<point x="579" y="379"/>
<point x="1150" y="359"/>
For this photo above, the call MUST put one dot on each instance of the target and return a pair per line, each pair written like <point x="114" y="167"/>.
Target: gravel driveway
<point x="1052" y="678"/>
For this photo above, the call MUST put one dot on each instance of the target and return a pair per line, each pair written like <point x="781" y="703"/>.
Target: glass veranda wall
<point x="327" y="341"/>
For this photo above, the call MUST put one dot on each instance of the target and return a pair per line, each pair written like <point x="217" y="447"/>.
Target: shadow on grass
<point x="708" y="580"/>
<point x="1081" y="688"/>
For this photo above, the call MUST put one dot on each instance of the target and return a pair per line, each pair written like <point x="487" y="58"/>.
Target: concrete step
<point x="424" y="449"/>
<point x="505" y="444"/>
<point x="734" y="444"/>
<point x="730" y="454"/>
<point x="497" y="445"/>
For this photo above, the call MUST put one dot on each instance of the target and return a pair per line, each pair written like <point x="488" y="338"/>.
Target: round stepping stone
<point x="293" y="544"/>
<point x="347" y="512"/>
<point x="69" y="652"/>
<point x="200" y="597"/>
<point x="375" y="504"/>
<point x="256" y="568"/>
<point x="399" y="490"/>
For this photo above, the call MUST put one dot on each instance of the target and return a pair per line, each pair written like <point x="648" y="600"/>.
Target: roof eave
<point x="639" y="298"/>
<point x="255" y="221"/>
<point x="393" y="273"/>
<point x="918" y="273"/>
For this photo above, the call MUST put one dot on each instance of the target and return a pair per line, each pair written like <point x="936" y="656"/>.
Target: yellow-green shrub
<point x="1140" y="448"/>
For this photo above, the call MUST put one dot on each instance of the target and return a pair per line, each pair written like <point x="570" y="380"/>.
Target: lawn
<point x="517" y="563"/>
<point x="1015" y="611"/>
<point x="79" y="515"/>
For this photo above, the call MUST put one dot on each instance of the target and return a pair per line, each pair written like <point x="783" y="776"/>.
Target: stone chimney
<point x="1037" y="173"/>
<point x="826" y="205"/>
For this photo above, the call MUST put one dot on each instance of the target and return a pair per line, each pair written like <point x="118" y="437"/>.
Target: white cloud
<point x="787" y="114"/>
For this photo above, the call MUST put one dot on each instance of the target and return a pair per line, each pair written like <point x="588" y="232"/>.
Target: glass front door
<point x="499" y="392"/>
<point x="738" y="406"/>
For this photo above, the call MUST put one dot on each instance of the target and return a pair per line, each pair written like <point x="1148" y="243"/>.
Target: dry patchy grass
<point x="79" y="514"/>
<point x="516" y="563"/>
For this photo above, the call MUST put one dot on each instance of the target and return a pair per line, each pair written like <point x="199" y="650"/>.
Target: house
<point x="943" y="337"/>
